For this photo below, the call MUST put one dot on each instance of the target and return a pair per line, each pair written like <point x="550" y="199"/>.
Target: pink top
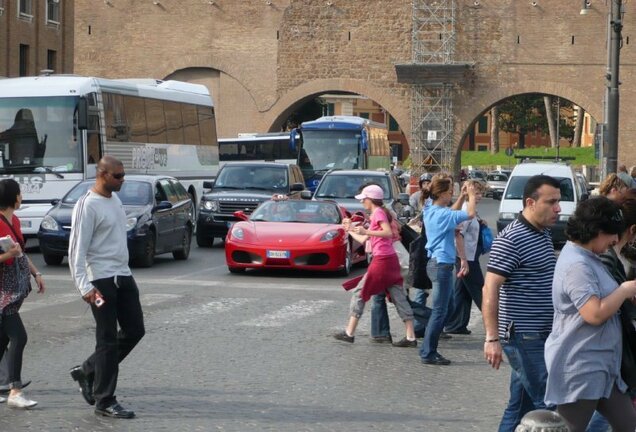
<point x="380" y="245"/>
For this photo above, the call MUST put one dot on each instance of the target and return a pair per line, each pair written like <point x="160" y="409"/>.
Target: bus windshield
<point x="272" y="149"/>
<point x="326" y="149"/>
<point x="37" y="135"/>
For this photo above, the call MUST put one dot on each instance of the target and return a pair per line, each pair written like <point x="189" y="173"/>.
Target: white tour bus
<point x="53" y="130"/>
<point x="265" y="147"/>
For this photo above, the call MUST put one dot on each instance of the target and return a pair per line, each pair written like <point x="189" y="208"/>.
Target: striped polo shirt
<point x="525" y="257"/>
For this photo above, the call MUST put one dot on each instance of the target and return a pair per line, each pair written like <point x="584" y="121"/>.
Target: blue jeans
<point x="598" y="423"/>
<point x="441" y="275"/>
<point x="380" y="318"/>
<point x="525" y="353"/>
<point x="467" y="290"/>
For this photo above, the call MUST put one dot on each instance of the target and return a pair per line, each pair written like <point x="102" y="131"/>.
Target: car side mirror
<point x="584" y="196"/>
<point x="208" y="184"/>
<point x="240" y="215"/>
<point x="306" y="194"/>
<point x="297" y="187"/>
<point x="163" y="205"/>
<point x="496" y="196"/>
<point x="55" y="201"/>
<point x="403" y="199"/>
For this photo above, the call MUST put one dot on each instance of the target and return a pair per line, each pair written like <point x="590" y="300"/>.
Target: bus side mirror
<point x="82" y="113"/>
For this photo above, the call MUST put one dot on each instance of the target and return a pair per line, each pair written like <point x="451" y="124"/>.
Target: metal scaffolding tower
<point x="432" y="124"/>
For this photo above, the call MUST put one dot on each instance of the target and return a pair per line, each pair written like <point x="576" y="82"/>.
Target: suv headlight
<point x="507" y="215"/>
<point x="48" y="223"/>
<point x="211" y="205"/>
<point x="131" y="222"/>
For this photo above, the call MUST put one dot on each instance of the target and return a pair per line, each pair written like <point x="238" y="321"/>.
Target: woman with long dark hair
<point x="16" y="270"/>
<point x="583" y="351"/>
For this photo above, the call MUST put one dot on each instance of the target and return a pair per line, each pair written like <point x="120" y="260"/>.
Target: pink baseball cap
<point x="372" y="192"/>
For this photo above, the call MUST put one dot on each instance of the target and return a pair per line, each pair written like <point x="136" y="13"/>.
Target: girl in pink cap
<point x="383" y="275"/>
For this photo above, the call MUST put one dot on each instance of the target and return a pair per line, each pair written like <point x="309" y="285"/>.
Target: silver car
<point x="495" y="185"/>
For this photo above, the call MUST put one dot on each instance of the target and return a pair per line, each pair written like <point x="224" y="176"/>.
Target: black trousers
<point x="12" y="330"/>
<point x="121" y="305"/>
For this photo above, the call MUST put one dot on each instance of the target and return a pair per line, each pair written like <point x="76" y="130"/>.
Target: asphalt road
<point x="250" y="352"/>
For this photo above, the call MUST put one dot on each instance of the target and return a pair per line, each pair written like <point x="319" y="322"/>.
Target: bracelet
<point x="36" y="274"/>
<point x="492" y="340"/>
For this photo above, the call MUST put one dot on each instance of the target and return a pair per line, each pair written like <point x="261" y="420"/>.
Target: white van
<point x="571" y="194"/>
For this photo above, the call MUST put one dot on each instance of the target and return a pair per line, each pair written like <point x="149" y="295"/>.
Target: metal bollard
<point x="542" y="421"/>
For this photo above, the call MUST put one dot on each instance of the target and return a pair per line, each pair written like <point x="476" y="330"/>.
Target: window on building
<point x="53" y="11"/>
<point x="24" y="60"/>
<point x="393" y="124"/>
<point x="482" y="125"/>
<point x="25" y="8"/>
<point x="51" y="60"/>
<point x="1" y="7"/>
<point x="328" y="109"/>
<point x="364" y="115"/>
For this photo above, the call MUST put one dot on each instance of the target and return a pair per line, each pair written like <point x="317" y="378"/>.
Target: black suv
<point x="343" y="185"/>
<point x="243" y="186"/>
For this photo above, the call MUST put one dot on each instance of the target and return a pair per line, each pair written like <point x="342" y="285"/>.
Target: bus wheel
<point x="53" y="260"/>
<point x="203" y="241"/>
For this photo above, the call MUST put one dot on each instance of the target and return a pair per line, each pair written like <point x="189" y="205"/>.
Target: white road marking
<point x="200" y="311"/>
<point x="153" y="299"/>
<point x="292" y="312"/>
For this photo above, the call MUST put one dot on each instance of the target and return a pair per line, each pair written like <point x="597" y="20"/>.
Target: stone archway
<point x="397" y="106"/>
<point x="472" y="107"/>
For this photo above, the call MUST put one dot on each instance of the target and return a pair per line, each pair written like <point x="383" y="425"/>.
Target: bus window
<point x="116" y="127"/>
<point x="206" y="125"/>
<point x="190" y="124"/>
<point x="174" y="122"/>
<point x="156" y="121"/>
<point x="136" y="118"/>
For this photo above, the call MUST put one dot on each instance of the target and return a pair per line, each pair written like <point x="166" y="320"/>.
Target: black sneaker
<point x="115" y="411"/>
<point x="85" y="384"/>
<point x="382" y="339"/>
<point x="459" y="332"/>
<point x="436" y="359"/>
<point x="405" y="343"/>
<point x="444" y="335"/>
<point x="343" y="336"/>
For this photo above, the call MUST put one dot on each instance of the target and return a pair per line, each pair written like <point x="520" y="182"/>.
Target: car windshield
<point x="252" y="177"/>
<point x="132" y="193"/>
<point x="348" y="186"/>
<point x="297" y="211"/>
<point x="497" y="177"/>
<point x="518" y="183"/>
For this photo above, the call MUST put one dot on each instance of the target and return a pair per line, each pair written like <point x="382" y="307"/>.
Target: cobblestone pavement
<point x="249" y="353"/>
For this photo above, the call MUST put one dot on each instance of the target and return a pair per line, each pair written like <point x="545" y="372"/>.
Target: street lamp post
<point x="616" y="25"/>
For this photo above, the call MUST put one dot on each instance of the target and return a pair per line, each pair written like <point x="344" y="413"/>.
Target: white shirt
<point x="98" y="246"/>
<point x="470" y="231"/>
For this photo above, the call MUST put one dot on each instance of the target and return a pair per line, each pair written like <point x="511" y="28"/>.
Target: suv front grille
<point x="230" y="207"/>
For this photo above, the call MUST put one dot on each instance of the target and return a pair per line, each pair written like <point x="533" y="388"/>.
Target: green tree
<point x="522" y="114"/>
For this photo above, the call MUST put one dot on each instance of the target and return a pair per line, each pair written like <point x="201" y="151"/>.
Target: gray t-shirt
<point x="583" y="360"/>
<point x="98" y="247"/>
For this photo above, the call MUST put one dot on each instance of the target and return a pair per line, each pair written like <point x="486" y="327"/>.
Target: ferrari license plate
<point x="277" y="254"/>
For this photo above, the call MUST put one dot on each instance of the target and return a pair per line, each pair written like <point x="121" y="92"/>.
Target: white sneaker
<point x="20" y="401"/>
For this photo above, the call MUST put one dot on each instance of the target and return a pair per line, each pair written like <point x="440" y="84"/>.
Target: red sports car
<point x="295" y="234"/>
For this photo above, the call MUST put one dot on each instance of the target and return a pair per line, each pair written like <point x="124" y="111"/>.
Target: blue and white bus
<point x="345" y="142"/>
<point x="54" y="129"/>
<point x="265" y="147"/>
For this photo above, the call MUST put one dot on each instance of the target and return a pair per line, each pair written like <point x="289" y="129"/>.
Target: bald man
<point x="98" y="259"/>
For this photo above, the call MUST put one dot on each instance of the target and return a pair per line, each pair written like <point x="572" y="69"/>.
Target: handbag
<point x="418" y="258"/>
<point x="485" y="238"/>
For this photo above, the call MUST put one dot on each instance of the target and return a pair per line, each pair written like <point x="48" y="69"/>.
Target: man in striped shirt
<point x="517" y="304"/>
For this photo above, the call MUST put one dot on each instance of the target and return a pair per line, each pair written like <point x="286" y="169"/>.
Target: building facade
<point x="36" y="35"/>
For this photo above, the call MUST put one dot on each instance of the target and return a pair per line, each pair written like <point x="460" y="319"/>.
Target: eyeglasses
<point x="118" y="176"/>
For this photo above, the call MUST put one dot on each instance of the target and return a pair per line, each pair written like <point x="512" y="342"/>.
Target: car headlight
<point x="131" y="222"/>
<point x="564" y="218"/>
<point x="238" y="233"/>
<point x="507" y="215"/>
<point x="48" y="223"/>
<point x="329" y="235"/>
<point x="211" y="205"/>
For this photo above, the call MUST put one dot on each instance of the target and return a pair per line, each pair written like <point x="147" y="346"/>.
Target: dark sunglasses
<point x="118" y="176"/>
